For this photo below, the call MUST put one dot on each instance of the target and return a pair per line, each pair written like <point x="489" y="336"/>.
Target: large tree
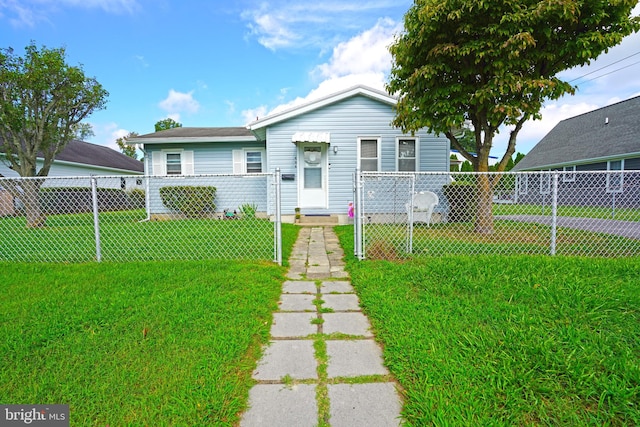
<point x="167" y="123"/>
<point x="42" y="102"/>
<point x="493" y="63"/>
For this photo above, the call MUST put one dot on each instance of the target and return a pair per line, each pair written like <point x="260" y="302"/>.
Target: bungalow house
<point x="80" y="159"/>
<point x="317" y="147"/>
<point x="606" y="139"/>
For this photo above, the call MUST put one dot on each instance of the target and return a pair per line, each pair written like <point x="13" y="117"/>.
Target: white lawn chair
<point x="422" y="205"/>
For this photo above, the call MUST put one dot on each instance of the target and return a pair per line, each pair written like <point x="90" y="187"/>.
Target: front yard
<point x="473" y="340"/>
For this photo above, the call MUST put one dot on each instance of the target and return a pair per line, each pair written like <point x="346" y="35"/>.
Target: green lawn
<point x="126" y="237"/>
<point x="151" y="343"/>
<point x="500" y="340"/>
<point x="625" y="214"/>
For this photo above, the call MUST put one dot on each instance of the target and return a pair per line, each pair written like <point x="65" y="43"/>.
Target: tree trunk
<point x="31" y="199"/>
<point x="484" y="215"/>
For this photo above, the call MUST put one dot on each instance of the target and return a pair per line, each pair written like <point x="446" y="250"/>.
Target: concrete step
<point x="318" y="220"/>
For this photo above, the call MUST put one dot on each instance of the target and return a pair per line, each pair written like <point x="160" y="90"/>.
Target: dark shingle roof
<point x="184" y="132"/>
<point x="607" y="132"/>
<point x="98" y="155"/>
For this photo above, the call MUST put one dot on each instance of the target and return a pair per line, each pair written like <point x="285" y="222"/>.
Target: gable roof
<point x="606" y="133"/>
<point x="98" y="155"/>
<point x="322" y="102"/>
<point x="84" y="153"/>
<point x="195" y="134"/>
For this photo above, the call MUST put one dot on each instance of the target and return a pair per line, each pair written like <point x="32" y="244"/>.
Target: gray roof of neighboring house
<point x="98" y="155"/>
<point x="606" y="133"/>
<point x="187" y="132"/>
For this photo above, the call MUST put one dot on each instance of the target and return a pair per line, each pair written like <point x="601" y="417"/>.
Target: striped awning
<point x="322" y="137"/>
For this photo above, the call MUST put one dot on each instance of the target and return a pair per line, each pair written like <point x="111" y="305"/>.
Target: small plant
<point x="248" y="210"/>
<point x="297" y="210"/>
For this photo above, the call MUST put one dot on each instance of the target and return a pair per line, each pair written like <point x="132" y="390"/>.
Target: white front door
<point x="312" y="170"/>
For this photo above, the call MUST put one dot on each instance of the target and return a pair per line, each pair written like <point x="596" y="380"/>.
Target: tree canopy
<point x="494" y="62"/>
<point x="127" y="150"/>
<point x="167" y="123"/>
<point x="42" y="101"/>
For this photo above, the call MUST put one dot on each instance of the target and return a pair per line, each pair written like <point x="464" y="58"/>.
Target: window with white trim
<point x="172" y="162"/>
<point x="523" y="183"/>
<point x="569" y="173"/>
<point x="248" y="161"/>
<point x="407" y="154"/>
<point x="545" y="183"/>
<point x="615" y="181"/>
<point x="369" y="154"/>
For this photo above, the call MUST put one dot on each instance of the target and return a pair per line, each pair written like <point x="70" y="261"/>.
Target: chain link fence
<point x="399" y="215"/>
<point x="136" y="218"/>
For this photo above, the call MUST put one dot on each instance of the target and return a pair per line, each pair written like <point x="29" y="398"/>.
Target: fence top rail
<point x="558" y="172"/>
<point x="168" y="177"/>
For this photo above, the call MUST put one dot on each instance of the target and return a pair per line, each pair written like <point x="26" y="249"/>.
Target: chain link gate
<point x="141" y="218"/>
<point x="398" y="215"/>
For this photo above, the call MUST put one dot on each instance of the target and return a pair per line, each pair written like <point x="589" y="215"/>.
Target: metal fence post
<point x="278" y="222"/>
<point x="410" y="214"/>
<point x="554" y="213"/>
<point x="96" y="223"/>
<point x="358" y="216"/>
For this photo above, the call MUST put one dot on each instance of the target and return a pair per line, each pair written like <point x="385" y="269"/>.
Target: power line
<point x="607" y="66"/>
<point x="614" y="71"/>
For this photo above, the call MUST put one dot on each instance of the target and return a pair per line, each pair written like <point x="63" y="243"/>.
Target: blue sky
<point x="224" y="63"/>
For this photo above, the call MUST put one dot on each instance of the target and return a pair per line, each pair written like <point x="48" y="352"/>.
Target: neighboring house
<point x="317" y="147"/>
<point x="606" y="139"/>
<point x="81" y="159"/>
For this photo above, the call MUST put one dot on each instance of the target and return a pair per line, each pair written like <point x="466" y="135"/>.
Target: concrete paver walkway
<point x="322" y="366"/>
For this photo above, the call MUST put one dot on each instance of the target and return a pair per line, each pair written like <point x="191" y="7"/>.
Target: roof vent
<point x="606" y="120"/>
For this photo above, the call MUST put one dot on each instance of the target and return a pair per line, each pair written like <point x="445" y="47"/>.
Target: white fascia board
<point x="613" y="157"/>
<point x="322" y="102"/>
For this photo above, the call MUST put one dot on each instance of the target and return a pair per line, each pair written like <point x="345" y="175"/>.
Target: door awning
<point x="321" y="137"/>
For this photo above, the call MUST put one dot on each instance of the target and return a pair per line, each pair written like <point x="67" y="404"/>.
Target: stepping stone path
<point x="322" y="365"/>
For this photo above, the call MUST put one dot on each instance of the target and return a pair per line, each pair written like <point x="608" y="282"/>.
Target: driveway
<point x="630" y="229"/>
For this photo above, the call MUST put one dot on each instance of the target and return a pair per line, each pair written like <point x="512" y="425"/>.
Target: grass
<point x="387" y="241"/>
<point x="625" y="214"/>
<point x="152" y="343"/>
<point x="507" y="340"/>
<point x="125" y="237"/>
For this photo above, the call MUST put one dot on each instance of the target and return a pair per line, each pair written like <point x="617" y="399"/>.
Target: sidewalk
<point x="322" y="365"/>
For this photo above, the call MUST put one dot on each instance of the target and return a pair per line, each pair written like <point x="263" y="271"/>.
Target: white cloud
<point x="179" y="102"/>
<point x="107" y="133"/>
<point x="253" y="114"/>
<point x="365" y="53"/>
<point x="362" y="60"/>
<point x="298" y="24"/>
<point x="28" y="13"/>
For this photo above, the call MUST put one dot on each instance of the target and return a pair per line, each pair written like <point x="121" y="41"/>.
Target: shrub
<point x="191" y="201"/>
<point x="136" y="197"/>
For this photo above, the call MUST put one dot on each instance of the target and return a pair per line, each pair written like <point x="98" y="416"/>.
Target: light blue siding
<point x="212" y="158"/>
<point x="348" y="120"/>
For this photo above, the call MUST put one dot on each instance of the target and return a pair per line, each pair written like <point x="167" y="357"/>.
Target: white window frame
<point x="416" y="158"/>
<point x="159" y="162"/>
<point x="240" y="160"/>
<point x="378" y="148"/>
<point x="545" y="182"/>
<point x="620" y="185"/>
<point x="523" y="183"/>
<point x="568" y="174"/>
